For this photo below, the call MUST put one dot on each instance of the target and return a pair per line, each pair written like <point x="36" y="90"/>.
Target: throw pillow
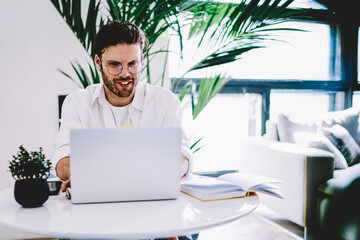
<point x="288" y="125"/>
<point x="272" y="132"/>
<point x="342" y="144"/>
<point x="313" y="140"/>
<point x="349" y="119"/>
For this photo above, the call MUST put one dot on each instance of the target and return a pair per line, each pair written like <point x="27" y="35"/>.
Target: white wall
<point x="34" y="42"/>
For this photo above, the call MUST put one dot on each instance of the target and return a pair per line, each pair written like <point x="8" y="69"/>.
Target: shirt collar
<point x="138" y="101"/>
<point x="99" y="94"/>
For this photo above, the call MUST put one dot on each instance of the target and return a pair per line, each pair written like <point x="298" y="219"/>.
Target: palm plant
<point x="231" y="30"/>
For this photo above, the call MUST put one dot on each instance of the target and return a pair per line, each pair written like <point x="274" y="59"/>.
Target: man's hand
<point x="184" y="166"/>
<point x="63" y="172"/>
<point x="65" y="185"/>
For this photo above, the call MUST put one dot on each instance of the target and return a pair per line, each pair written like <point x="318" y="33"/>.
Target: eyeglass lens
<point x="116" y="68"/>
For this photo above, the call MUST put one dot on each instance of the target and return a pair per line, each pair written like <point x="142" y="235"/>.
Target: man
<point x="121" y="100"/>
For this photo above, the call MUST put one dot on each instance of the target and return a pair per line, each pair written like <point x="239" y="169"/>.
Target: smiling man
<point x="121" y="100"/>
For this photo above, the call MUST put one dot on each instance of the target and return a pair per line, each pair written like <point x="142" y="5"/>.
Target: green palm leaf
<point x="194" y="147"/>
<point x="207" y="89"/>
<point x="82" y="77"/>
<point x="222" y="56"/>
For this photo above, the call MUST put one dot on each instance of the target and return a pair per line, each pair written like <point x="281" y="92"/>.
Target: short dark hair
<point x="117" y="32"/>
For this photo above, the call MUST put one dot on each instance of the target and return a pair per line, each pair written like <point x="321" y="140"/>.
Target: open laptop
<point x="125" y="164"/>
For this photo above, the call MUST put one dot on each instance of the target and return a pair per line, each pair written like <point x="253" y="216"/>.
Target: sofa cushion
<point x="342" y="144"/>
<point x="349" y="119"/>
<point x="288" y="125"/>
<point x="272" y="132"/>
<point x="313" y="140"/>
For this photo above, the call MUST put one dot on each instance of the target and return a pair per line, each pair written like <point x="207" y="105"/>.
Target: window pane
<point x="356" y="99"/>
<point x="303" y="55"/>
<point x="298" y="103"/>
<point x="222" y="123"/>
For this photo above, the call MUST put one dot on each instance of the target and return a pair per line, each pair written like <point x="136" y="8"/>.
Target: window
<point x="222" y="123"/>
<point x="298" y="102"/>
<point x="303" y="55"/>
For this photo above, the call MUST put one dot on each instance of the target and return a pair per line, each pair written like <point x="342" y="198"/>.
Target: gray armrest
<point x="344" y="180"/>
<point x="301" y="170"/>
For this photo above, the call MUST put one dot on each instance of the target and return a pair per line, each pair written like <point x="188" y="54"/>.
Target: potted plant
<point x="30" y="170"/>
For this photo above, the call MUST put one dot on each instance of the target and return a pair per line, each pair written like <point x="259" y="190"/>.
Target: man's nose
<point x="124" y="73"/>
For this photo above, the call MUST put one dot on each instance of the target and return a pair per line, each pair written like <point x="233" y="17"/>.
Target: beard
<point x="113" y="85"/>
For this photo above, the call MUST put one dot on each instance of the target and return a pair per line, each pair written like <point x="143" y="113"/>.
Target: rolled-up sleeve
<point x="69" y="120"/>
<point x="173" y="118"/>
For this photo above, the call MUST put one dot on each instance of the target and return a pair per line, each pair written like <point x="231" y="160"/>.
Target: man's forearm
<point x="63" y="168"/>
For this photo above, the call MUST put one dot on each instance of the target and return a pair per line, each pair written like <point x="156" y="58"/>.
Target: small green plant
<point x="31" y="165"/>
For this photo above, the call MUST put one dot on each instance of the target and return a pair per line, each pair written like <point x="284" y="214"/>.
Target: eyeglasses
<point x="115" y="68"/>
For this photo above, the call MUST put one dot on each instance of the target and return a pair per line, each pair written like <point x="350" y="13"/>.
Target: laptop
<point x="125" y="164"/>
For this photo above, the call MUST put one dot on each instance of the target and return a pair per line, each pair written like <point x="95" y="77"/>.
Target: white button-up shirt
<point x="152" y="106"/>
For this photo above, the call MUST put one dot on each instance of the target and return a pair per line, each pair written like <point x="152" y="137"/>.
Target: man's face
<point x="120" y="84"/>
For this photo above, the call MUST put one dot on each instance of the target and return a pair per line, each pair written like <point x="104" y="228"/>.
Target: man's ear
<point x="97" y="62"/>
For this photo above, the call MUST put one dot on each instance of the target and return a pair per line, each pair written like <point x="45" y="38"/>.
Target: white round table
<point x="59" y="218"/>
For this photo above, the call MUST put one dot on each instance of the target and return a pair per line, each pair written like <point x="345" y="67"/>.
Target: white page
<point x="249" y="180"/>
<point x="210" y="184"/>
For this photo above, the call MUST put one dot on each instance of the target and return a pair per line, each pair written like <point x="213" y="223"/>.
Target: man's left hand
<point x="65" y="185"/>
<point x="184" y="166"/>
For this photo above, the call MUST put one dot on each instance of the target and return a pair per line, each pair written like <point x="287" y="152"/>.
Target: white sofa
<point x="300" y="169"/>
<point x="302" y="164"/>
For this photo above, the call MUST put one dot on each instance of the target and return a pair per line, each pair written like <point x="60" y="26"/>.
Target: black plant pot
<point x="31" y="192"/>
